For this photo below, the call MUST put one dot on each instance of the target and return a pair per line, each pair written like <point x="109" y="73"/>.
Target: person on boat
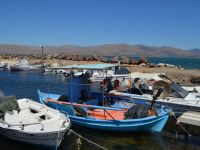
<point x="124" y="84"/>
<point x="109" y="86"/>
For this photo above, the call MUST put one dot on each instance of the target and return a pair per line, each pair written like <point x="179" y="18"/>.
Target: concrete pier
<point x="190" y="118"/>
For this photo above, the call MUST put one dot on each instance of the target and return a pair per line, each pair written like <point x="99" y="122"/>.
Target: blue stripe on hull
<point x="153" y="125"/>
<point x="150" y="124"/>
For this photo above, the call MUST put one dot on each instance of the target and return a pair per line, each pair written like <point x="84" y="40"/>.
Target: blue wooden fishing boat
<point x="106" y="118"/>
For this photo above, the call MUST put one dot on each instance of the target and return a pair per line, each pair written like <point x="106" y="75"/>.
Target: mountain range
<point x="102" y="50"/>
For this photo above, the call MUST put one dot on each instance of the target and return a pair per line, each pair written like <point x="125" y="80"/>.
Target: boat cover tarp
<point x="8" y="103"/>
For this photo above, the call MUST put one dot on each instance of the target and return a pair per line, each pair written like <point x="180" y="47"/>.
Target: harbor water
<point x="25" y="84"/>
<point x="187" y="63"/>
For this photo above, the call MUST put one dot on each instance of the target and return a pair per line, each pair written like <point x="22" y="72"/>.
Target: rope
<point x="172" y="114"/>
<point x="89" y="141"/>
<point x="138" y="88"/>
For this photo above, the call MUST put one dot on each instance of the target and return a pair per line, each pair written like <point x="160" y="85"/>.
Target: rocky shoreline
<point x="176" y="73"/>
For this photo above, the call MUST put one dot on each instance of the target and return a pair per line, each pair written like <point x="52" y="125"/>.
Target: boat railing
<point x="104" y="111"/>
<point x="23" y="125"/>
<point x="89" y="106"/>
<point x="83" y="105"/>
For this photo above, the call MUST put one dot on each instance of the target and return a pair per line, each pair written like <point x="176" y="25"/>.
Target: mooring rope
<point x="89" y="141"/>
<point x="172" y="114"/>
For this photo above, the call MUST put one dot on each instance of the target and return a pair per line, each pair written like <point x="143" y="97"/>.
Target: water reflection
<point x="121" y="141"/>
<point x="24" y="84"/>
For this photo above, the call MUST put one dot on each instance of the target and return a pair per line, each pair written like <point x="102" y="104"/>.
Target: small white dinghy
<point x="27" y="121"/>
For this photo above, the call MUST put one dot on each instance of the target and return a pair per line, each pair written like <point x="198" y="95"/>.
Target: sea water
<point x="25" y="84"/>
<point x="187" y="63"/>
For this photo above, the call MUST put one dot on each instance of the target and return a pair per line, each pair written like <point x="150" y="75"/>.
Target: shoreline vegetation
<point x="188" y="77"/>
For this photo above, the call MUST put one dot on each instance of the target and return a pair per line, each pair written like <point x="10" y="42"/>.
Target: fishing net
<point x="8" y="103"/>
<point x="137" y="111"/>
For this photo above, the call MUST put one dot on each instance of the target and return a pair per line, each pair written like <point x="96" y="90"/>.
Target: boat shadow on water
<point x="7" y="144"/>
<point x="111" y="141"/>
<point x="126" y="141"/>
<point x="118" y="141"/>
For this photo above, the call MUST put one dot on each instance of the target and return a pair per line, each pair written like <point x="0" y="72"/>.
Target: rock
<point x="61" y="57"/>
<point x="49" y="56"/>
<point x="195" y="80"/>
<point x="77" y="58"/>
<point x="66" y="57"/>
<point x="85" y="58"/>
<point x="55" y="55"/>
<point x="142" y="60"/>
<point x="2" y="64"/>
<point x="170" y="66"/>
<point x="5" y="57"/>
<point x="133" y="61"/>
<point x="89" y="58"/>
<point x="125" y="60"/>
<point x="165" y="65"/>
<point x="99" y="58"/>
<point x="95" y="57"/>
<point x="143" y="64"/>
<point x="106" y="60"/>
<point x="115" y="59"/>
<point x="160" y="65"/>
<point x="152" y="65"/>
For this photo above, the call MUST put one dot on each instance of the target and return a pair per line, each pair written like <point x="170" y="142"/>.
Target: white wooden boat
<point x="2" y="64"/>
<point x="34" y="123"/>
<point x="23" y="65"/>
<point x="98" y="71"/>
<point x="180" y="99"/>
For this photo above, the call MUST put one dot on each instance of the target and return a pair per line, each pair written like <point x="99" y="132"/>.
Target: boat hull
<point x="154" y="125"/>
<point x="51" y="139"/>
<point x="34" y="124"/>
<point x="175" y="106"/>
<point x="148" y="124"/>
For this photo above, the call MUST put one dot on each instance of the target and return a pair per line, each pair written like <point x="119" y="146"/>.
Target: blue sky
<point x="93" y="22"/>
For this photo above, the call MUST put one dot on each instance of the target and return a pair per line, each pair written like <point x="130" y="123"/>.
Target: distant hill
<point x="107" y="49"/>
<point x="195" y="51"/>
